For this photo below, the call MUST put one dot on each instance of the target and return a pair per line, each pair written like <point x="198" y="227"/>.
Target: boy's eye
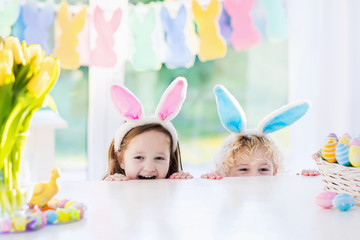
<point x="264" y="169"/>
<point x="138" y="157"/>
<point x="243" y="169"/>
<point x="160" y="158"/>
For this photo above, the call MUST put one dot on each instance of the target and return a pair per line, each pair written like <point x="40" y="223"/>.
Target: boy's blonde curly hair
<point x="238" y="144"/>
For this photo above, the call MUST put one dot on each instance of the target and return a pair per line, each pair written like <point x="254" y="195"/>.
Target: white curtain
<point x="324" y="59"/>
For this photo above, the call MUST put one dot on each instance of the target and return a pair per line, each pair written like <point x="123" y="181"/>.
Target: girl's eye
<point x="243" y="169"/>
<point x="160" y="158"/>
<point x="264" y="169"/>
<point x="138" y="157"/>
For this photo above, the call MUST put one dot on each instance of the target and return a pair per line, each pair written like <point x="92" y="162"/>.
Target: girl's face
<point x="147" y="156"/>
<point x="255" y="165"/>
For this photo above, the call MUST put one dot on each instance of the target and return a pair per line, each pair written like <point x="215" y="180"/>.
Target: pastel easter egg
<point x="354" y="156"/>
<point x="74" y="214"/>
<point x="53" y="203"/>
<point x="81" y="207"/>
<point x="5" y="225"/>
<point x="342" y="154"/>
<point x="62" y="202"/>
<point x="69" y="203"/>
<point x="19" y="223"/>
<point x="345" y="140"/>
<point x="347" y="135"/>
<point x="332" y="135"/>
<point x="328" y="150"/>
<point x="343" y="201"/>
<point x="34" y="221"/>
<point x="355" y="141"/>
<point x="51" y="216"/>
<point x="324" y="199"/>
<point x="63" y="214"/>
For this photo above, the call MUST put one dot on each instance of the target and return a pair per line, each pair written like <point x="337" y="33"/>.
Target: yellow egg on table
<point x="328" y="150"/>
<point x="354" y="156"/>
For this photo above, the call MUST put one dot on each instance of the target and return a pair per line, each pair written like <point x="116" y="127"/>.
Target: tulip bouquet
<point x="26" y="77"/>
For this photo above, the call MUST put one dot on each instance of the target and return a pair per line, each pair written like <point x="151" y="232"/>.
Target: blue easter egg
<point x="342" y="154"/>
<point x="51" y="216"/>
<point x="343" y="201"/>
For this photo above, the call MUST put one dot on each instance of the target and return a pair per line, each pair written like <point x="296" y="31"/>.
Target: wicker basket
<point x="338" y="178"/>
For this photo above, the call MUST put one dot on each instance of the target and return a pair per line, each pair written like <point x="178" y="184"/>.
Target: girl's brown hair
<point x="113" y="161"/>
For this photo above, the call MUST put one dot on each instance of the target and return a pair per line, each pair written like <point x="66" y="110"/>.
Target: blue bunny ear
<point x="283" y="117"/>
<point x="231" y="114"/>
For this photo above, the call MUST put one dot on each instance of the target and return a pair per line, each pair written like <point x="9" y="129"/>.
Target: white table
<point x="280" y="207"/>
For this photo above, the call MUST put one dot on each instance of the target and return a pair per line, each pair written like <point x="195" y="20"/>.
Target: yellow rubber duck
<point x="45" y="191"/>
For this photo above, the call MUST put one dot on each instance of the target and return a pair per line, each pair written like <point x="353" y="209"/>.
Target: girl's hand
<point x="181" y="175"/>
<point x="214" y="176"/>
<point x="116" y="177"/>
<point x="309" y="172"/>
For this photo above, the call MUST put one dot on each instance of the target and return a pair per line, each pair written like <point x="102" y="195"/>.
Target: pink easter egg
<point x="324" y="199"/>
<point x="355" y="141"/>
<point x="347" y="135"/>
<point x="5" y="225"/>
<point x="62" y="203"/>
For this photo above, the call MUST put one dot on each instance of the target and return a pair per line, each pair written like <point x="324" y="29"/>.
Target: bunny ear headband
<point x="131" y="109"/>
<point x="233" y="118"/>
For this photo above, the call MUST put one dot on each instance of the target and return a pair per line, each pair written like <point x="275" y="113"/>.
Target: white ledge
<point x="49" y="118"/>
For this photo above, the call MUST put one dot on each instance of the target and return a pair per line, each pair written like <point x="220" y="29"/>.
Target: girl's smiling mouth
<point x="146" y="177"/>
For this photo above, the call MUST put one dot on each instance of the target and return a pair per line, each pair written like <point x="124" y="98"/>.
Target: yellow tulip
<point x="6" y="64"/>
<point x="1" y="43"/>
<point x="33" y="51"/>
<point x="6" y="58"/>
<point x="45" y="79"/>
<point x="14" y="45"/>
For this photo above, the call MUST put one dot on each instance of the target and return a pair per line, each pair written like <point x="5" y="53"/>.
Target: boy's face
<point x="255" y="165"/>
<point x="147" y="156"/>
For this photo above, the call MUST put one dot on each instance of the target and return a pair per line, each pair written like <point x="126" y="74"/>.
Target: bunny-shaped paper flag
<point x="131" y="109"/>
<point x="233" y="117"/>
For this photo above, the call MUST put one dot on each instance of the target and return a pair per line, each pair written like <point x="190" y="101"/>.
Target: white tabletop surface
<point x="280" y="207"/>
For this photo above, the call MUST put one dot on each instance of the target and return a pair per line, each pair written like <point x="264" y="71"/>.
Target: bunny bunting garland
<point x="233" y="118"/>
<point x="131" y="109"/>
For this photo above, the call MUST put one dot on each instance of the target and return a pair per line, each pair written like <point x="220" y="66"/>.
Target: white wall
<point x="323" y="57"/>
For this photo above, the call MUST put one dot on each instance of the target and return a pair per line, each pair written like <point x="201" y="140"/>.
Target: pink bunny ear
<point x="128" y="105"/>
<point x="172" y="99"/>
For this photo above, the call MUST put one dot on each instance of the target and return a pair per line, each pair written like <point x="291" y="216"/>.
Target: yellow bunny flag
<point x="212" y="44"/>
<point x="70" y="26"/>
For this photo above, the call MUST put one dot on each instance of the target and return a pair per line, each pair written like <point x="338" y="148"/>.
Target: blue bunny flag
<point x="231" y="114"/>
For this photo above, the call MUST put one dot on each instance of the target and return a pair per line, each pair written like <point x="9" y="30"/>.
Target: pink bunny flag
<point x="244" y="33"/>
<point x="103" y="55"/>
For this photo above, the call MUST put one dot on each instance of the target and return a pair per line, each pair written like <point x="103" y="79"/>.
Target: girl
<point x="250" y="152"/>
<point x="146" y="147"/>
